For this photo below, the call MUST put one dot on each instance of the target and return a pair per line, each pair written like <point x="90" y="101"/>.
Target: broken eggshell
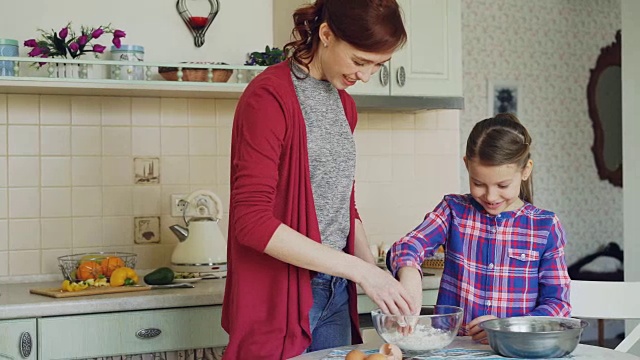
<point x="391" y="351"/>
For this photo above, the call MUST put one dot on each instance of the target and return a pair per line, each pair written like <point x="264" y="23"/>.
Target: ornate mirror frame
<point x="609" y="56"/>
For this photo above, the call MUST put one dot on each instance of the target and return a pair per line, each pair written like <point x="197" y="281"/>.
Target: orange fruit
<point x="109" y="264"/>
<point x="88" y="270"/>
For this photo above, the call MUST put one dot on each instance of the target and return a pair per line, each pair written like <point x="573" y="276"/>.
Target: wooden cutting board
<point x="58" y="293"/>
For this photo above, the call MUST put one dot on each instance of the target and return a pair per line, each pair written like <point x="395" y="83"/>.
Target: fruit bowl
<point x="434" y="328"/>
<point x="80" y="267"/>
<point x="196" y="74"/>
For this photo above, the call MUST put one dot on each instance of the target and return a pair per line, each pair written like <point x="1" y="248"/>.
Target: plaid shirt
<point x="507" y="265"/>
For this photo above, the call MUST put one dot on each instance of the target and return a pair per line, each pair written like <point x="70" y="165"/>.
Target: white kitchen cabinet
<point x="134" y="332"/>
<point x="366" y="305"/>
<point x="430" y="64"/>
<point x="18" y="339"/>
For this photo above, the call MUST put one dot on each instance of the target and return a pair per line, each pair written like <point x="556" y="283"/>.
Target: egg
<point x="355" y="354"/>
<point x="376" y="357"/>
<point x="391" y="351"/>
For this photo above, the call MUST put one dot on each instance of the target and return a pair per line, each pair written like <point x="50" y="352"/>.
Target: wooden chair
<point x="608" y="300"/>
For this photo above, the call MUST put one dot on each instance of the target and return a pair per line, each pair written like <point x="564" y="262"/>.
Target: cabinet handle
<point x="26" y="344"/>
<point x="149" y="333"/>
<point x="384" y="75"/>
<point x="401" y="76"/>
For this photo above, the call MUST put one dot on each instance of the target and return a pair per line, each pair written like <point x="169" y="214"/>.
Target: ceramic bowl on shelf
<point x="434" y="328"/>
<point x="534" y="337"/>
<point x="196" y="74"/>
<point x="84" y="266"/>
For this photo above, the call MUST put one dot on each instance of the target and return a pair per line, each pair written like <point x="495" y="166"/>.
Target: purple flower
<point x="98" y="48"/>
<point x="96" y="33"/>
<point x="119" y="34"/>
<point x="31" y="43"/>
<point x="82" y="40"/>
<point x="116" y="42"/>
<point x="63" y="33"/>
<point x="35" y="52"/>
<point x="74" y="47"/>
<point x="43" y="56"/>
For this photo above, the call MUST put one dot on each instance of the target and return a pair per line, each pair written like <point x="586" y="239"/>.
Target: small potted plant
<point x="270" y="56"/>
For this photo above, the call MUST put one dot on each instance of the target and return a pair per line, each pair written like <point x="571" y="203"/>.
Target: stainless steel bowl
<point x="534" y="337"/>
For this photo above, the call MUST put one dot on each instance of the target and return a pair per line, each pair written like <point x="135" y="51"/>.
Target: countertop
<point x="16" y="302"/>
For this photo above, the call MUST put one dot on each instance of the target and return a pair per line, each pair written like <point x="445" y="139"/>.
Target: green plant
<point x="269" y="56"/>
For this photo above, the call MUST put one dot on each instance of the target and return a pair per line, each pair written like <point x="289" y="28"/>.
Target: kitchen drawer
<point x="18" y="339"/>
<point x="366" y="305"/>
<point x="135" y="332"/>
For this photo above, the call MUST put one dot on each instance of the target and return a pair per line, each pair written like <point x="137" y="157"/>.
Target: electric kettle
<point x="202" y="247"/>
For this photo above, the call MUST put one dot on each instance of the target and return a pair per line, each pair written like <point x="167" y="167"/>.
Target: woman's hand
<point x="476" y="332"/>
<point x="386" y="292"/>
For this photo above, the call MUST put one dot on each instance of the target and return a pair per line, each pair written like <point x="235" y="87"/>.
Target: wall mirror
<point x="604" y="95"/>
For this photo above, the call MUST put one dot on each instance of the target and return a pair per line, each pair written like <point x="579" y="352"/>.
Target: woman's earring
<point x="325" y="44"/>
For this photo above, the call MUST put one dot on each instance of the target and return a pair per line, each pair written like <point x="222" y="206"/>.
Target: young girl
<point x="504" y="256"/>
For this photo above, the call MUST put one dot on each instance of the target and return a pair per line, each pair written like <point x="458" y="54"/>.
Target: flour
<point x="422" y="338"/>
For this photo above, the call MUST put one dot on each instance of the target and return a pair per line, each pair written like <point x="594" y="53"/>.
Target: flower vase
<point x="69" y="71"/>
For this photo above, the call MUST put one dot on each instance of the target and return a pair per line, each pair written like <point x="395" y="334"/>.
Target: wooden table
<point x="582" y="351"/>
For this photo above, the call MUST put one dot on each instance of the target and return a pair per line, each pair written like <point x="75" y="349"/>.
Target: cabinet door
<point x="430" y="64"/>
<point x="135" y="332"/>
<point x="18" y="339"/>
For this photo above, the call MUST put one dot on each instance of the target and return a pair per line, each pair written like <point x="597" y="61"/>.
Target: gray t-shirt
<point x="332" y="156"/>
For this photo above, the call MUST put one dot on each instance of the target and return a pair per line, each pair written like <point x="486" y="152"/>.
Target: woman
<point x="296" y="244"/>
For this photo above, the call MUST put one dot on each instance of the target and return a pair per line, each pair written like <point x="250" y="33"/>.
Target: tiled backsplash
<point x="67" y="181"/>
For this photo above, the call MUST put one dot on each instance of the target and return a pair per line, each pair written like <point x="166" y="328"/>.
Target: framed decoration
<point x="504" y="97"/>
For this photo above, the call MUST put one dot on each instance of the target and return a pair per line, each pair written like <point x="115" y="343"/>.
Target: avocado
<point x="161" y="276"/>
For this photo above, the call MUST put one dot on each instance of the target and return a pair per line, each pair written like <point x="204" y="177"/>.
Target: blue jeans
<point x="329" y="317"/>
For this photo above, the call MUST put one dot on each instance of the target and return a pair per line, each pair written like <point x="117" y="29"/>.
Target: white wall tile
<point x="224" y="141"/>
<point x="402" y="142"/>
<point x="174" y="170"/>
<point x="225" y="109"/>
<point x="202" y="141"/>
<point x="24" y="203"/>
<point x="3" y="171"/>
<point x="56" y="171"/>
<point x="448" y="119"/>
<point x="117" y="231"/>
<point x="153" y="256"/>
<point x="202" y="112"/>
<point x="4" y="203"/>
<point x="55" y="140"/>
<point x="3" y="139"/>
<point x="373" y="142"/>
<point x="23" y="109"/>
<point x="166" y="236"/>
<point x="117" y="201"/>
<point x="403" y="169"/>
<point x="145" y="141"/>
<point x="145" y="111"/>
<point x="402" y="121"/>
<point x="363" y="121"/>
<point x="4" y="263"/>
<point x="426" y="120"/>
<point x="25" y="262"/>
<point x="55" y="109"/>
<point x="439" y="142"/>
<point x="87" y="232"/>
<point x="146" y="200"/>
<point x="202" y="170"/>
<point x="4" y="235"/>
<point x="116" y="111"/>
<point x="223" y="170"/>
<point x="24" y="234"/>
<point x="165" y="196"/>
<point x="117" y="171"/>
<point x="380" y="120"/>
<point x="24" y="171"/>
<point x="50" y="260"/>
<point x="175" y="141"/>
<point x="86" y="171"/>
<point x="86" y="110"/>
<point x="86" y="140"/>
<point x="174" y="112"/>
<point x="376" y="168"/>
<point x="86" y="201"/>
<point x="24" y="140"/>
<point x="3" y="109"/>
<point x="116" y="141"/>
<point x="55" y="202"/>
<point x="56" y="233"/>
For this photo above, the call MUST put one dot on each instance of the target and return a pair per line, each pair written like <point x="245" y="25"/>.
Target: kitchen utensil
<point x="168" y="286"/>
<point x="434" y="328"/>
<point x="202" y="247"/>
<point x="534" y="337"/>
<point x="59" y="293"/>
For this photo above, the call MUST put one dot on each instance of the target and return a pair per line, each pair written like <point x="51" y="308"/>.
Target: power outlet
<point x="177" y="207"/>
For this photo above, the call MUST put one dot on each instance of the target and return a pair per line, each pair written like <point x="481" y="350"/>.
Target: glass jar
<point x="127" y="53"/>
<point x="8" y="47"/>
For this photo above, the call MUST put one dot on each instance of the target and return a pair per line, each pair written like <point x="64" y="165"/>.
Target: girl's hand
<point x="474" y="330"/>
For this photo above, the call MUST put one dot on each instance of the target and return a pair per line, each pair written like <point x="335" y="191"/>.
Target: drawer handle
<point x="26" y="344"/>
<point x="149" y="333"/>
